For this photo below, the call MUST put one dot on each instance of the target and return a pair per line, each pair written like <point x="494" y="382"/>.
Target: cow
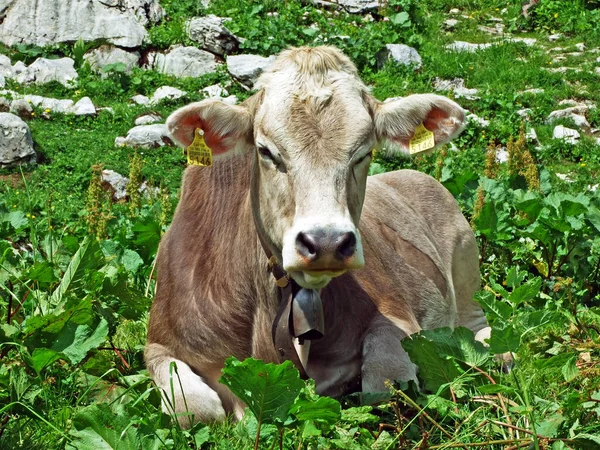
<point x="290" y="180"/>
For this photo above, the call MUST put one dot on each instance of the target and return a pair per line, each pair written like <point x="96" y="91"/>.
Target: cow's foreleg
<point x="185" y="394"/>
<point x="383" y="355"/>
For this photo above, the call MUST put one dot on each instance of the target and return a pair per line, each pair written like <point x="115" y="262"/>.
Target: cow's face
<point x="312" y="128"/>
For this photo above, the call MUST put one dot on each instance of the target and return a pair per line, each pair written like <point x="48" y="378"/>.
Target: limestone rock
<point x="116" y="183"/>
<point x="400" y="53"/>
<point x="140" y="100"/>
<point x="567" y="134"/>
<point x="2" y="81"/>
<point x="84" y="107"/>
<point x="529" y="42"/>
<point x="183" y="62"/>
<point x="109" y="54"/>
<point x="457" y="85"/>
<point x="147" y="119"/>
<point x="52" y="104"/>
<point x="566" y="113"/>
<point x="450" y="24"/>
<point x="247" y="68"/>
<point x="146" y="136"/>
<point x="5" y="66"/>
<point x="166" y="93"/>
<point x="16" y="144"/>
<point x="48" y="22"/>
<point x="214" y="90"/>
<point x="461" y="46"/>
<point x="483" y="123"/>
<point x="352" y="6"/>
<point x="21" y="108"/>
<point x="555" y="37"/>
<point x="211" y="33"/>
<point x="44" y="70"/>
<point x="533" y="91"/>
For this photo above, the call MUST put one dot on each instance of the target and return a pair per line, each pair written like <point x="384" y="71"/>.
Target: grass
<point x="74" y="308"/>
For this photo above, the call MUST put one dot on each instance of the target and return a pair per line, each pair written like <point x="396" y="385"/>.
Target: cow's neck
<point x="219" y="201"/>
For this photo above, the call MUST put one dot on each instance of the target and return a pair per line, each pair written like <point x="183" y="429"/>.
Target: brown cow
<point x="294" y="158"/>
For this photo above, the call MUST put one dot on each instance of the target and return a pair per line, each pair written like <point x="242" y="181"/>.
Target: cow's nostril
<point x="346" y="245"/>
<point x="307" y="246"/>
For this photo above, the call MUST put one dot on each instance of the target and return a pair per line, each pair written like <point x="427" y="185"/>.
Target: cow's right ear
<point x="226" y="127"/>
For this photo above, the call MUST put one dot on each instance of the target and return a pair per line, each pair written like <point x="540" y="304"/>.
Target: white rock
<point x="21" y="108"/>
<point x="147" y="119"/>
<point x="16" y="144"/>
<point x="598" y="60"/>
<point x="597" y="70"/>
<point x="567" y="134"/>
<point x="166" y="93"/>
<point x="524" y="113"/>
<point x="84" y="107"/>
<point x="533" y="91"/>
<point x="457" y="86"/>
<point x="214" y="90"/>
<point x="555" y="37"/>
<point x="2" y="81"/>
<point x="400" y="53"/>
<point x="502" y="155"/>
<point x="44" y="70"/>
<point x="210" y="32"/>
<point x="352" y="6"/>
<point x="483" y="123"/>
<point x="450" y="23"/>
<point x="454" y="11"/>
<point x="183" y="62"/>
<point x="580" y="47"/>
<point x="140" y="100"/>
<point x="247" y="68"/>
<point x="566" y="113"/>
<point x="461" y="46"/>
<point x="231" y="100"/>
<point x="498" y="29"/>
<point x="49" y="22"/>
<point x="529" y="42"/>
<point x="5" y="66"/>
<point x="146" y="136"/>
<point x="51" y="104"/>
<point x="565" y="177"/>
<point x="580" y="121"/>
<point x="531" y="135"/>
<point x="116" y="183"/>
<point x="109" y="54"/>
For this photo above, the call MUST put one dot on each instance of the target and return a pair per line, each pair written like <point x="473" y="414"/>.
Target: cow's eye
<point x="266" y="153"/>
<point x="367" y="157"/>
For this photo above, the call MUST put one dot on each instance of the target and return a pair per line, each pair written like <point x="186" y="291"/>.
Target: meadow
<point x="76" y="267"/>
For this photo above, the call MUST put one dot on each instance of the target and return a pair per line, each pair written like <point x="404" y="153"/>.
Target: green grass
<point x="72" y="348"/>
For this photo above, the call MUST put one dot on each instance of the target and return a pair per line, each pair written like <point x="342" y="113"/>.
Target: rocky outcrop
<point x="401" y="54"/>
<point x="48" y="22"/>
<point x="16" y="144"/>
<point x="210" y="32"/>
<point x="109" y="54"/>
<point x="44" y="70"/>
<point x="247" y="68"/>
<point x="146" y="136"/>
<point x="352" y="6"/>
<point x="183" y="62"/>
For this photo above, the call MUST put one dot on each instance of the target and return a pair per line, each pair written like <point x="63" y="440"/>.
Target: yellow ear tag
<point x="421" y="141"/>
<point x="198" y="153"/>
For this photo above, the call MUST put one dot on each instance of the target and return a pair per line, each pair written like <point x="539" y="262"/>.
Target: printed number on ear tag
<point x="421" y="141"/>
<point x="198" y="153"/>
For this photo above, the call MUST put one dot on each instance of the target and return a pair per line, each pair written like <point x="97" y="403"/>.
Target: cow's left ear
<point x="226" y="127"/>
<point x="397" y="120"/>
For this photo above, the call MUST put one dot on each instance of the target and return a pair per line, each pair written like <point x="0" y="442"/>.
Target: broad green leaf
<point x="505" y="339"/>
<point x="17" y="219"/>
<point x="324" y="409"/>
<point x="593" y="216"/>
<point x="358" y="415"/>
<point x="42" y="272"/>
<point x="402" y="19"/>
<point x="497" y="309"/>
<point x="587" y="441"/>
<point x="84" y="340"/>
<point x="269" y="390"/>
<point x="549" y="427"/>
<point x="202" y="436"/>
<point x="526" y="292"/>
<point x="569" y="369"/>
<point x="97" y="427"/>
<point x="131" y="260"/>
<point x="487" y="220"/>
<point x="42" y="358"/>
<point x="438" y="352"/>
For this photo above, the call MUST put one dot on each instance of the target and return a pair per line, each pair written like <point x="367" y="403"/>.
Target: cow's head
<point x="312" y="127"/>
